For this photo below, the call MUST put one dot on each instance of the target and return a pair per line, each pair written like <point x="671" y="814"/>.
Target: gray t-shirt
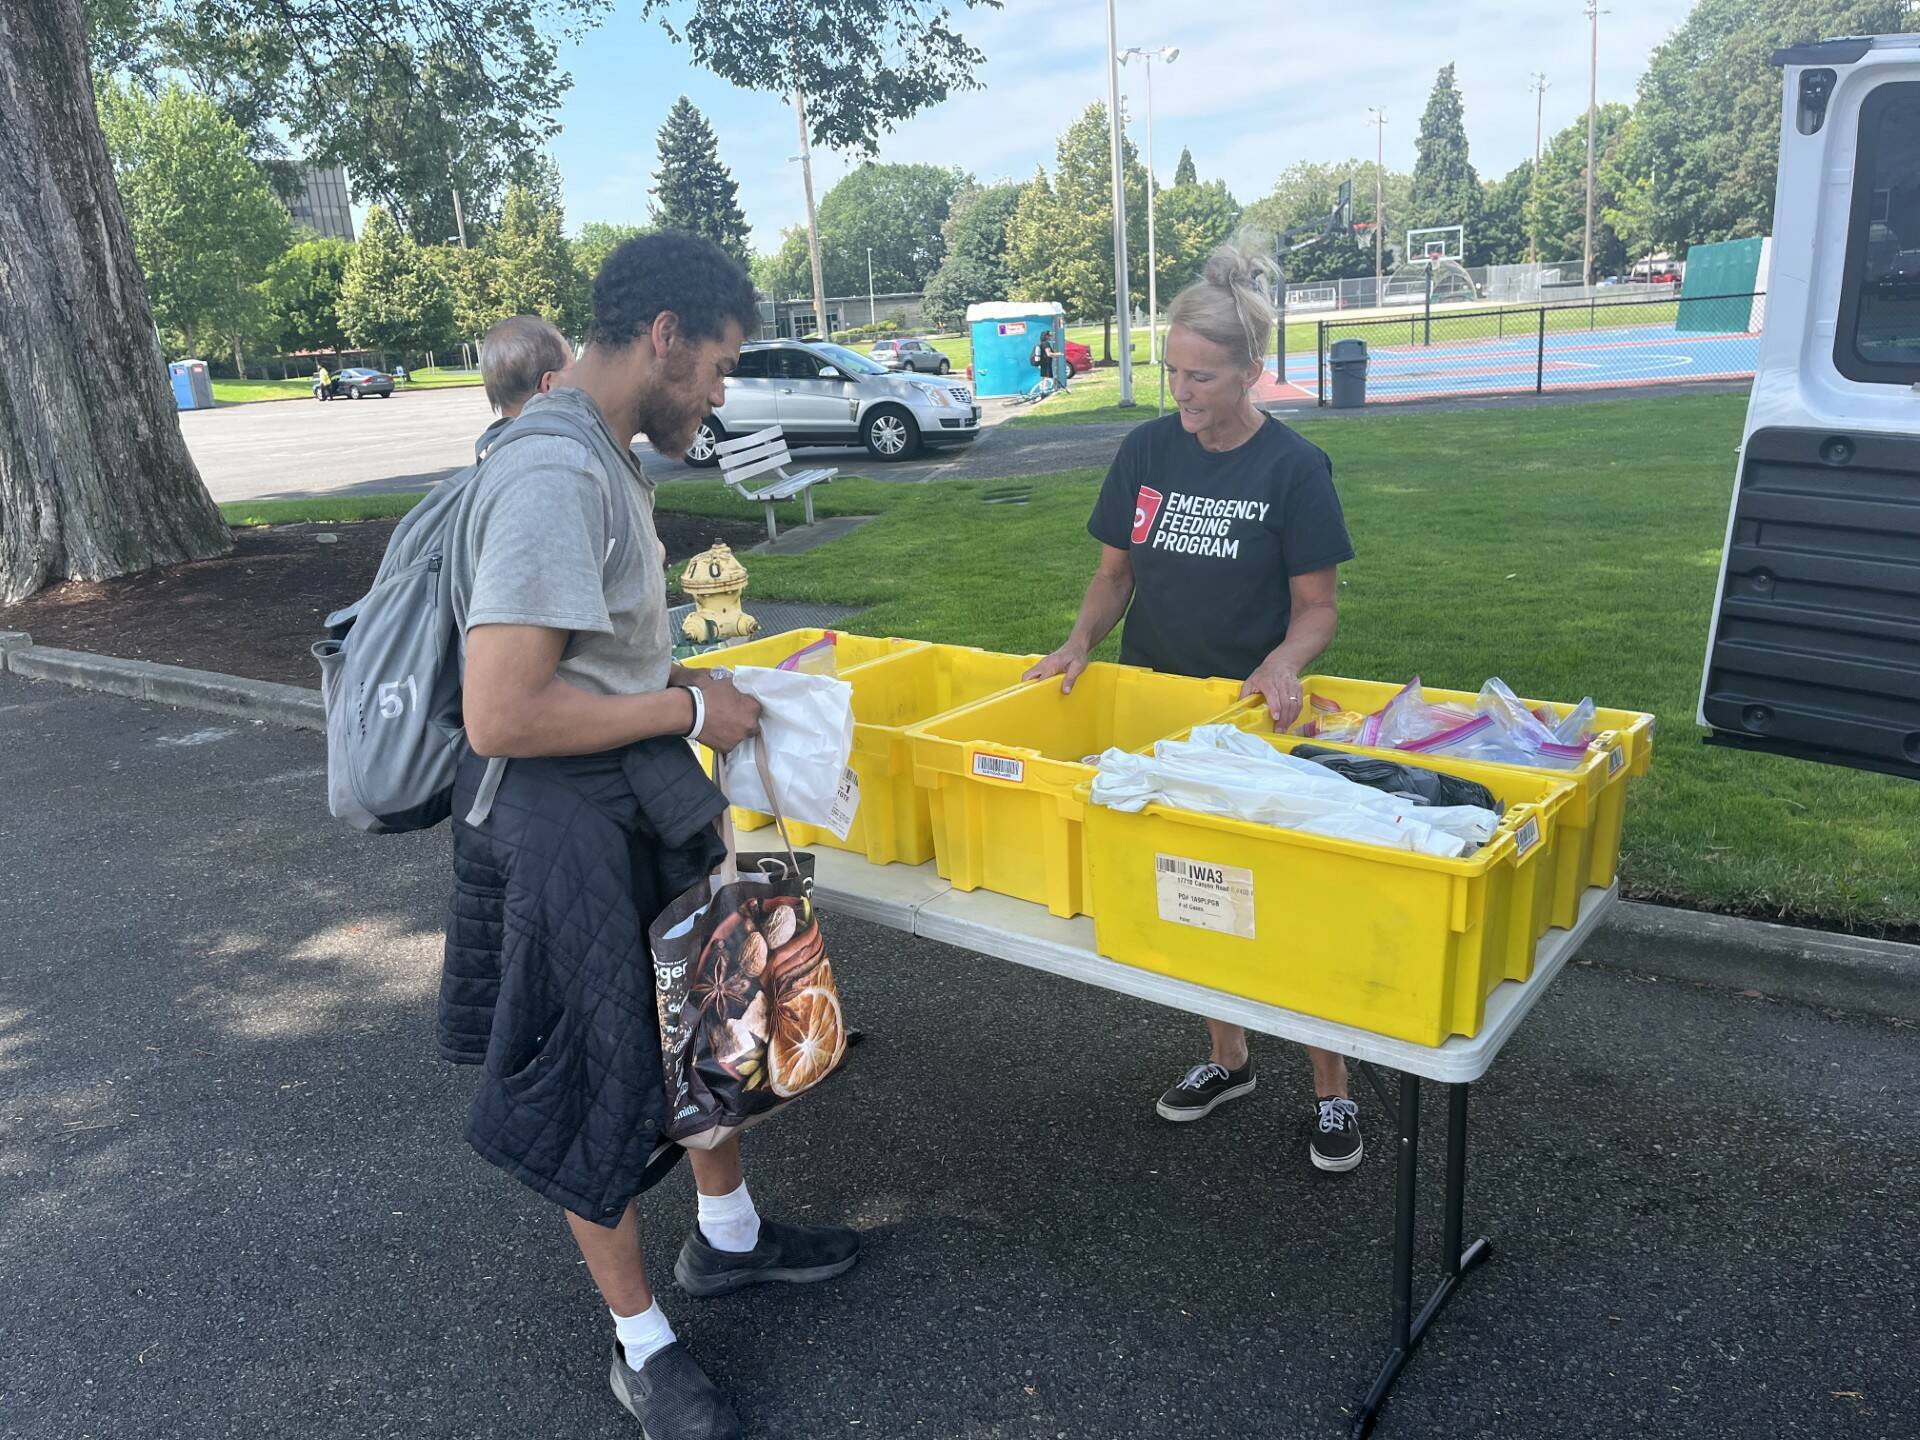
<point x="551" y="538"/>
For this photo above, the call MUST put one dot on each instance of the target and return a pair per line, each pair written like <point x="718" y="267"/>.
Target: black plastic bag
<point x="1423" y="787"/>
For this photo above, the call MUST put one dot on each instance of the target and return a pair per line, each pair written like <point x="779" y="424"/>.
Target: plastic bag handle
<point x="730" y="867"/>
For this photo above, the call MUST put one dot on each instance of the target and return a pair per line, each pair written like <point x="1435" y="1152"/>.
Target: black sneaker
<point x="794" y="1254"/>
<point x="672" y="1397"/>
<point x="1193" y="1096"/>
<point x="1336" y="1134"/>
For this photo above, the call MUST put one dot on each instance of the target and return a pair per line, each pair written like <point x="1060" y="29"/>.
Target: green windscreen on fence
<point x="1717" y="296"/>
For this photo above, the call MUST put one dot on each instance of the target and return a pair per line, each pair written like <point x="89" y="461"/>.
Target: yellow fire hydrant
<point x="716" y="581"/>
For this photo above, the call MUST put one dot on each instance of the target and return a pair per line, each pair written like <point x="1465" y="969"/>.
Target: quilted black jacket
<point x="547" y="979"/>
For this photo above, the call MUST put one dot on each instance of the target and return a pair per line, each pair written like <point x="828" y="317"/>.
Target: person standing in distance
<point x="599" y="818"/>
<point x="520" y="357"/>
<point x="1223" y="503"/>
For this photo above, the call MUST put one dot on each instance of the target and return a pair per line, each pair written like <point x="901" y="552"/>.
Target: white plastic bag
<point x="1224" y="771"/>
<point x="806" y="725"/>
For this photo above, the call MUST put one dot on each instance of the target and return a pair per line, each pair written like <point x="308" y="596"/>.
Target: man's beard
<point x="668" y="417"/>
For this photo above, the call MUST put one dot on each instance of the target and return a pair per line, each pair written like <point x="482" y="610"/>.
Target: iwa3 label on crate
<point x="999" y="767"/>
<point x="846" y="805"/>
<point x="1527" y="836"/>
<point x="1210" y="897"/>
<point x="1616" y="757"/>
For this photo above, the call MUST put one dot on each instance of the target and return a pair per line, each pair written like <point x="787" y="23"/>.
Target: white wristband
<point x="699" y="712"/>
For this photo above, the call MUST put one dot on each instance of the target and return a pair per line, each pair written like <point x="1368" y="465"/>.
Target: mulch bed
<point x="255" y="611"/>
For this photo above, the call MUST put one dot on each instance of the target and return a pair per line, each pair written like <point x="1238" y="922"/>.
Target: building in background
<point x="321" y="202"/>
<point x="787" y="319"/>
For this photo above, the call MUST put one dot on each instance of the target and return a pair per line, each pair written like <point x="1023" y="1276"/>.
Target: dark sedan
<point x="357" y="381"/>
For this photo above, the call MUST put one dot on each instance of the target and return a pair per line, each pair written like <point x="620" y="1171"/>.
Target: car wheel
<point x="890" y="433"/>
<point x="354" y="391"/>
<point x="704" y="452"/>
<point x="946" y="366"/>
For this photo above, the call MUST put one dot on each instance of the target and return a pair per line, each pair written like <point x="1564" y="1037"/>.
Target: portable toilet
<point x="192" y="387"/>
<point x="1004" y="333"/>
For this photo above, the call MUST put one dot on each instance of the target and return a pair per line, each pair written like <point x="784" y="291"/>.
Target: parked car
<point x="830" y="395"/>
<point x="356" y="381"/>
<point x="1079" y="357"/>
<point x="910" y="355"/>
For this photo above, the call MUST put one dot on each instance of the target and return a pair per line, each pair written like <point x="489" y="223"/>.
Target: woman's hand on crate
<point x="1278" y="684"/>
<point x="1068" y="661"/>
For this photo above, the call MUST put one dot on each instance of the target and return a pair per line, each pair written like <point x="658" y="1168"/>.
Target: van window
<point x="1879" y="331"/>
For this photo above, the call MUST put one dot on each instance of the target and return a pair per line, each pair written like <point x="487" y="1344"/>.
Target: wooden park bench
<point x="764" y="453"/>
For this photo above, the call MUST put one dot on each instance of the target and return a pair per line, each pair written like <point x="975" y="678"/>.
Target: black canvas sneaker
<point x="788" y="1254"/>
<point x="1194" y="1095"/>
<point x="672" y="1397"/>
<point x="1336" y="1134"/>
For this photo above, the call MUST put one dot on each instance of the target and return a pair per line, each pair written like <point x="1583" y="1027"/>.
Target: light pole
<point x="873" y="315"/>
<point x="1121" y="295"/>
<point x="1540" y="86"/>
<point x="1379" y="123"/>
<point x="1594" y="12"/>
<point x="1167" y="54"/>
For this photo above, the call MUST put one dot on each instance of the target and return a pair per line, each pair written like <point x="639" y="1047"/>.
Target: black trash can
<point x="1348" y="361"/>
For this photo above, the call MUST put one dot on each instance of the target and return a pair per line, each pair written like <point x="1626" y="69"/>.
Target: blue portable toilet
<point x="1004" y="333"/>
<point x="192" y="386"/>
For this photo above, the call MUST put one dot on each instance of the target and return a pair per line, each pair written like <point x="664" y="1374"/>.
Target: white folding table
<point x="916" y="900"/>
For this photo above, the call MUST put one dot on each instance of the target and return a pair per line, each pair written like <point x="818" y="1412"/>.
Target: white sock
<point x="643" y="1335"/>
<point x="730" y="1222"/>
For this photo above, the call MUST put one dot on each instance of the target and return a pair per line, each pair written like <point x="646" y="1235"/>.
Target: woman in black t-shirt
<point x="1221" y="540"/>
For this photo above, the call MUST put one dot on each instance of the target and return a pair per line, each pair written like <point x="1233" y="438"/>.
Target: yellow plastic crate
<point x="850" y="652"/>
<point x="1622" y="748"/>
<point x="1399" y="943"/>
<point x="1001" y="774"/>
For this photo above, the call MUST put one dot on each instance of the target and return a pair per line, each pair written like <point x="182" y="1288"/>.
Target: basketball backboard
<point x="1439" y="241"/>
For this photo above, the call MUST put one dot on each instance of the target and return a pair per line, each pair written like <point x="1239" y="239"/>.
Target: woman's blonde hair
<point x="1231" y="304"/>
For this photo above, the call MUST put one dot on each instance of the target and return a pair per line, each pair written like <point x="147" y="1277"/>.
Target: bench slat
<point x="753" y="462"/>
<point x="747" y="442"/>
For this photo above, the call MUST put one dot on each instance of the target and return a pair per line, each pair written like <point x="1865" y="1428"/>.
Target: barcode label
<point x="1527" y="836"/>
<point x="1616" y="757"/>
<point x="846" y="805"/>
<point x="1204" y="895"/>
<point x="999" y="767"/>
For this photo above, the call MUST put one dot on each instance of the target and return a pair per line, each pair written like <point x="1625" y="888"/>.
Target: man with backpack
<point x="600" y="815"/>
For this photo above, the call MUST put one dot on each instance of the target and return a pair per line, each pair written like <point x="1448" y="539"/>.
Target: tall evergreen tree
<point x="1184" y="173"/>
<point x="392" y="297"/>
<point x="692" y="190"/>
<point x="1446" y="191"/>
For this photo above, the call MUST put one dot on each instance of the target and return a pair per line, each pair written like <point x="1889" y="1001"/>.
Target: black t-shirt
<point x="1214" y="539"/>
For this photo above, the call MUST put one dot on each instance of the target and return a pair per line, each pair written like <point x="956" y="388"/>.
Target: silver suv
<point x="910" y="355"/>
<point x="821" y="394"/>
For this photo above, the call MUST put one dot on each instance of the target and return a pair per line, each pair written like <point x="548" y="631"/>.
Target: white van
<point x="1815" y="646"/>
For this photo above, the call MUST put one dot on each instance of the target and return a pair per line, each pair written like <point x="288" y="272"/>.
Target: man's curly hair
<point x="670" y="270"/>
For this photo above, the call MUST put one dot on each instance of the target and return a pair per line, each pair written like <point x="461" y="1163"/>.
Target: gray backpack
<point x="390" y="673"/>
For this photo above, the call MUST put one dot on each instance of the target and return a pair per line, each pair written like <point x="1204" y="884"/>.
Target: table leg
<point x="1408" y="1329"/>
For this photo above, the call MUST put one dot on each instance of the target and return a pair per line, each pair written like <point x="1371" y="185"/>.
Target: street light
<point x="873" y="315"/>
<point x="1379" y="123"/>
<point x="1121" y="294"/>
<point x="1594" y="12"/>
<point x="1168" y="54"/>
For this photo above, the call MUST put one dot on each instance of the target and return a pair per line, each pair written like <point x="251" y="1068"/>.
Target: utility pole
<point x="1121" y="293"/>
<point x="1379" y="123"/>
<point x="873" y="314"/>
<point x="1594" y="12"/>
<point x="1168" y="54"/>
<point x="1539" y="87"/>
<point x="805" y="157"/>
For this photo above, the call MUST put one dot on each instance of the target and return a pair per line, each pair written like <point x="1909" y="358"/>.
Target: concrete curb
<point x="1811" y="967"/>
<point x="164" y="684"/>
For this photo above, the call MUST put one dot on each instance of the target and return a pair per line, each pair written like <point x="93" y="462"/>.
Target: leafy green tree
<point x="1184" y="173"/>
<point x="957" y="284"/>
<point x="895" y="210"/>
<point x="393" y="297"/>
<point x="472" y="281"/>
<point x="1557" y="208"/>
<point x="1303" y="196"/>
<point x="1446" y="189"/>
<point x="692" y="190"/>
<point x="302" y="294"/>
<point x="597" y="240"/>
<point x="975" y="270"/>
<point x="535" y="273"/>
<point x="1710" y="108"/>
<point x="206" y="225"/>
<point x="1060" y="241"/>
<point x="1191" y="220"/>
<point x="787" y="272"/>
<point x="1501" y="238"/>
<point x="1626" y="183"/>
<point x="863" y="65"/>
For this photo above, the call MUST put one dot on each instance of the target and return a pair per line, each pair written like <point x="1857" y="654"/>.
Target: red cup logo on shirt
<point x="1144" y="510"/>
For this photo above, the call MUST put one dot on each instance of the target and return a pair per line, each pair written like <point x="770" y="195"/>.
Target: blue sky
<point x="1257" y="87"/>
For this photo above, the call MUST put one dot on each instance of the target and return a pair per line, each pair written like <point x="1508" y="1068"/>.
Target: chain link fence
<point x="1531" y="284"/>
<point x="1593" y="344"/>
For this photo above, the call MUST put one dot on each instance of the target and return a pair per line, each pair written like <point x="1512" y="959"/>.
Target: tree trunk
<point x="239" y="360"/>
<point x="1106" y="340"/>
<point x="95" y="479"/>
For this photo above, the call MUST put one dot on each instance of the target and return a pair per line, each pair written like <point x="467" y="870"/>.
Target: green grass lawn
<point x="337" y="510"/>
<point x="1570" y="550"/>
<point x="242" y="392"/>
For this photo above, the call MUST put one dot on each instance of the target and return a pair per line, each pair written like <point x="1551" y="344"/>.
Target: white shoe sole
<point x="1338" y="1167"/>
<point x="1181" y="1116"/>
